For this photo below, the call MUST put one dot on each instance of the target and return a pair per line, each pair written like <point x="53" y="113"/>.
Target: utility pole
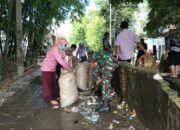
<point x="114" y="21"/>
<point x="110" y="18"/>
<point x="19" y="49"/>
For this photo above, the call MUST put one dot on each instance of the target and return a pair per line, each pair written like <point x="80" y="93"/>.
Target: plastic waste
<point x="92" y="116"/>
<point x="119" y="106"/>
<point x="115" y="121"/>
<point x="86" y="125"/>
<point x="111" y="126"/>
<point x="115" y="112"/>
<point x="132" y="116"/>
<point x="157" y="77"/>
<point x="91" y="103"/>
<point x="131" y="128"/>
<point x="123" y="102"/>
<point x="164" y="74"/>
<point x="87" y="108"/>
<point x="75" y="109"/>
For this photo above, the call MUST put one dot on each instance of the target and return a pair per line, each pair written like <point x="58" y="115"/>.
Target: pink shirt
<point x="53" y="57"/>
<point x="127" y="41"/>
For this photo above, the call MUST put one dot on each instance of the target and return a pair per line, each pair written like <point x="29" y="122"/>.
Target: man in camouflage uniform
<point x="103" y="73"/>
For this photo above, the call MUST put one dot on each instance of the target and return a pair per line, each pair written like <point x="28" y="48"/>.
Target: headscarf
<point x="60" y="41"/>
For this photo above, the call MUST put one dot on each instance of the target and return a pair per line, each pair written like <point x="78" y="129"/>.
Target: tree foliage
<point x="92" y="27"/>
<point x="121" y="11"/>
<point x="117" y="2"/>
<point x="37" y="16"/>
<point x="89" y="30"/>
<point x="163" y="14"/>
<point x="78" y="32"/>
<point x="95" y="28"/>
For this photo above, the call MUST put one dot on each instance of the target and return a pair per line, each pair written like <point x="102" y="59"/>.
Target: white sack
<point x="82" y="75"/>
<point x="68" y="88"/>
<point x="91" y="78"/>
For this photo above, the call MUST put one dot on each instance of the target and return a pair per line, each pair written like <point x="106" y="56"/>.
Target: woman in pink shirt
<point x="54" y="56"/>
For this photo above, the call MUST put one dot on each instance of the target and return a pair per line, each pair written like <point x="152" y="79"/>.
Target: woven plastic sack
<point x="82" y="75"/>
<point x="147" y="62"/>
<point x="91" y="78"/>
<point x="68" y="88"/>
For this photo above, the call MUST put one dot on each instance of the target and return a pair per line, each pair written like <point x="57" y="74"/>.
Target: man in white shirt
<point x="126" y="42"/>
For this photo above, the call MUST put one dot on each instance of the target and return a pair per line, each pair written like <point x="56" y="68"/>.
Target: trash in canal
<point x="115" y="121"/>
<point x="131" y="128"/>
<point x="132" y="116"/>
<point x="111" y="126"/>
<point x="87" y="108"/>
<point x="115" y="112"/>
<point x="86" y="125"/>
<point x="75" y="109"/>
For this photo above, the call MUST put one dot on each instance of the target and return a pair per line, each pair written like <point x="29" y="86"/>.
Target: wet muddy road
<point x="25" y="110"/>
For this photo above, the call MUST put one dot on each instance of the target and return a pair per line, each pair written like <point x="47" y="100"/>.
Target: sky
<point x="91" y="6"/>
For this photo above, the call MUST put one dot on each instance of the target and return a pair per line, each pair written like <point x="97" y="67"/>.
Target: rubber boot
<point x="103" y="107"/>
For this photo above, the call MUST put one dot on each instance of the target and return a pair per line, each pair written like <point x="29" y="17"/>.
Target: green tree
<point x="117" y="2"/>
<point x="121" y="10"/>
<point x="20" y="57"/>
<point x="89" y="30"/>
<point x="95" y="28"/>
<point x="78" y="32"/>
<point x="37" y="16"/>
<point x="163" y="14"/>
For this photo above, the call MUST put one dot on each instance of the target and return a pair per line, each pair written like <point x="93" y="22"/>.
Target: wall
<point x="156" y="104"/>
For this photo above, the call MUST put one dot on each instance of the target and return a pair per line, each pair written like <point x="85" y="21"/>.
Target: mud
<point x="25" y="110"/>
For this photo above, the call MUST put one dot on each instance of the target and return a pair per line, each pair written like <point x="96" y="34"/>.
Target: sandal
<point x="54" y="104"/>
<point x="55" y="107"/>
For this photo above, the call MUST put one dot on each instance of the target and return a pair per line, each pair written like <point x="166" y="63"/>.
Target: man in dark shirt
<point x="140" y="51"/>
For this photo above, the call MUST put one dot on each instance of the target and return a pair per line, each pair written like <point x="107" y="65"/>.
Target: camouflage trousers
<point x="104" y="73"/>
